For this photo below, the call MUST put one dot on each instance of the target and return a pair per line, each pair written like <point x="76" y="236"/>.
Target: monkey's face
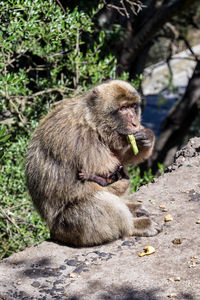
<point x="128" y="118"/>
<point x="127" y="103"/>
<point x="116" y="107"/>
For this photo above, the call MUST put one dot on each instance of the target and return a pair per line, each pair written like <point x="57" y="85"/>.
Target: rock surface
<point x="156" y="77"/>
<point x="115" y="271"/>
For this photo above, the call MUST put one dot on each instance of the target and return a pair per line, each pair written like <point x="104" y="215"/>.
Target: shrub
<point x="46" y="55"/>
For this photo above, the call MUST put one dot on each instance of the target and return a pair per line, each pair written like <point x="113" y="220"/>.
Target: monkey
<point x="76" y="166"/>
<point x="107" y="179"/>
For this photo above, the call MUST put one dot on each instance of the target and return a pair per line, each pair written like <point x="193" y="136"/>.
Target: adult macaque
<point x="76" y="166"/>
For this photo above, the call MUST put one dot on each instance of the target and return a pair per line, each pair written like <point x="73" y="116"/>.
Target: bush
<point x="20" y="225"/>
<point x="45" y="55"/>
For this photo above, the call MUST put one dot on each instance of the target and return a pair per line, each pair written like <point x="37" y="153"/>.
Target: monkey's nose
<point x="135" y="122"/>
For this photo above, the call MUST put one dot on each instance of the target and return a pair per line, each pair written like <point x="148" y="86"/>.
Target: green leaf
<point x="4" y="138"/>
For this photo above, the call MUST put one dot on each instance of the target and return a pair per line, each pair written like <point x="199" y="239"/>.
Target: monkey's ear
<point x="92" y="97"/>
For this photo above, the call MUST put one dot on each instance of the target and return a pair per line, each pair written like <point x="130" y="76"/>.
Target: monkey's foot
<point x="154" y="230"/>
<point x="142" y="212"/>
<point x="144" y="226"/>
<point x="137" y="210"/>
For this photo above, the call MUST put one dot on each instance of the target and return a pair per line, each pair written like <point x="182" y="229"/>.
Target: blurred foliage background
<point x="50" y="50"/>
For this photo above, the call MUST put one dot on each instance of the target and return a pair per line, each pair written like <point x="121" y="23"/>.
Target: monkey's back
<point x="57" y="151"/>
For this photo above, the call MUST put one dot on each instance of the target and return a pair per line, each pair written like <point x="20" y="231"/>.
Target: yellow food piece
<point x="162" y="206"/>
<point x="133" y="143"/>
<point x="172" y="295"/>
<point x="147" y="251"/>
<point x="177" y="278"/>
<point x="168" y="218"/>
<point x="177" y="241"/>
<point x="141" y="254"/>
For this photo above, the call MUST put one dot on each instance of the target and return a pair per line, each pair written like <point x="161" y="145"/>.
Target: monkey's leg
<point x="137" y="210"/>
<point x="144" y="226"/>
<point x="102" y="218"/>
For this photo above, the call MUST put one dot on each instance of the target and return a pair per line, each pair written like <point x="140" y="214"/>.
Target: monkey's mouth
<point x="127" y="131"/>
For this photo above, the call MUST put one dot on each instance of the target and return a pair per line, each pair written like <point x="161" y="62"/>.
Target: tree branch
<point x="133" y="45"/>
<point x="47" y="91"/>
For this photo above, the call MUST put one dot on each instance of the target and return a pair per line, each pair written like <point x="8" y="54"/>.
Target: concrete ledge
<point x="115" y="271"/>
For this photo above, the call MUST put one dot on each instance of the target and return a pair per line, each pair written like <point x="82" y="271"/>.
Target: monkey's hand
<point x="145" y="141"/>
<point x="144" y="138"/>
<point x="83" y="176"/>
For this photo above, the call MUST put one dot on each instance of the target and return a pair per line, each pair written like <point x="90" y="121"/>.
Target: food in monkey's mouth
<point x="133" y="143"/>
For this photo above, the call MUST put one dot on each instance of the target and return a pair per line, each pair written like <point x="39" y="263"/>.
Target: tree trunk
<point x="176" y="124"/>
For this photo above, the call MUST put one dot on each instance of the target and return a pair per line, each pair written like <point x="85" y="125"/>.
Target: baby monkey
<point x="104" y="180"/>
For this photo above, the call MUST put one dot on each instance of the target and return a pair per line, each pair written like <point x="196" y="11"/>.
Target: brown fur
<point x="83" y="133"/>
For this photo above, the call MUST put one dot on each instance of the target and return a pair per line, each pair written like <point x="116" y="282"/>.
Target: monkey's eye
<point x="123" y="107"/>
<point x="129" y="106"/>
<point x="134" y="105"/>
